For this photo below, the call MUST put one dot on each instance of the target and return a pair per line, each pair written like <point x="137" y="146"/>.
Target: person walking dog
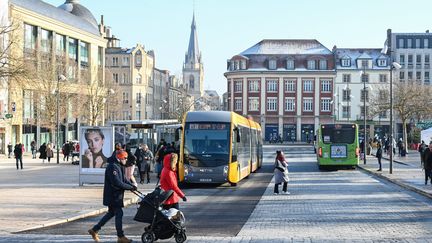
<point x="114" y="186"/>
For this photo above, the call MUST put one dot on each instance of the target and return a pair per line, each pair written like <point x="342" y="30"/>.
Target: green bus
<point x="337" y="145"/>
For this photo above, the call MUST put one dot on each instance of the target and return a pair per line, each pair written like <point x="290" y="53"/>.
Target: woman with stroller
<point x="168" y="181"/>
<point x="281" y="173"/>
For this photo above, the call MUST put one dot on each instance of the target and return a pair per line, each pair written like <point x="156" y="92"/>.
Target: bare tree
<point x="183" y="103"/>
<point x="410" y="100"/>
<point x="10" y="65"/>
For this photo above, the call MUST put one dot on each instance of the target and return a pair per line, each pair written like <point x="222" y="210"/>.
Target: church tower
<point x="193" y="70"/>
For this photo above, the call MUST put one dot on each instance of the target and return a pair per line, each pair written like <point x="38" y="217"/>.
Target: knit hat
<point x="121" y="154"/>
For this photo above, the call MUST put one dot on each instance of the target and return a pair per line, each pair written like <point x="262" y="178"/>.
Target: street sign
<point x="8" y="115"/>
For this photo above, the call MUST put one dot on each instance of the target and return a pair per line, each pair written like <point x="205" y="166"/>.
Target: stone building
<point x="286" y="85"/>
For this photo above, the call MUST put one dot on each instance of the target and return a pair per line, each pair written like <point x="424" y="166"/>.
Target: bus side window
<point x="178" y="133"/>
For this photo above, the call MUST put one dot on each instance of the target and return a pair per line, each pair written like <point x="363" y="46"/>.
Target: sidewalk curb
<point x="401" y="184"/>
<point x="127" y="202"/>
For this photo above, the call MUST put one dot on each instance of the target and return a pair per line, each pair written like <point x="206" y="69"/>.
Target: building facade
<point x="131" y="70"/>
<point x="286" y="85"/>
<point x="68" y="40"/>
<point x="193" y="69"/>
<point x="161" y="94"/>
<point x="211" y="100"/>
<point x="360" y="73"/>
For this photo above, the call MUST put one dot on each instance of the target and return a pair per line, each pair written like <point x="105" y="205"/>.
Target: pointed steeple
<point x="193" y="55"/>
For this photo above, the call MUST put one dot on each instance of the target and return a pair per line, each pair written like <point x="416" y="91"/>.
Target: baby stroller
<point x="164" y="224"/>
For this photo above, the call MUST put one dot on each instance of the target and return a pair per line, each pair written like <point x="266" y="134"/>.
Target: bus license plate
<point x="205" y="180"/>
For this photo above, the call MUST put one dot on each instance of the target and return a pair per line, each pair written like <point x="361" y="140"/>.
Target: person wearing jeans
<point x="114" y="186"/>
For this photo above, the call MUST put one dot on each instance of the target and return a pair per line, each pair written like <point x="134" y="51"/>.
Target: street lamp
<point x="397" y="66"/>
<point x="59" y="78"/>
<point x="363" y="78"/>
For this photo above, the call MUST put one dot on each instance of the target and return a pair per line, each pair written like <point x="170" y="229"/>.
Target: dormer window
<point x="382" y="62"/>
<point x="290" y="64"/>
<point x="243" y="64"/>
<point x="364" y="63"/>
<point x="346" y="62"/>
<point x="231" y="66"/>
<point x="236" y="65"/>
<point x="311" y="64"/>
<point x="272" y="64"/>
<point x="323" y="64"/>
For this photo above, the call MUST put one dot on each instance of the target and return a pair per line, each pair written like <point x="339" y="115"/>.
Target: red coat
<point x="168" y="181"/>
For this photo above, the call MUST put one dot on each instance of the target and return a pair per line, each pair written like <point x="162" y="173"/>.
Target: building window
<point x="401" y="43"/>
<point x="426" y="61"/>
<point x="325" y="105"/>
<point x="417" y="41"/>
<point x="289" y="64"/>
<point x="307" y="104"/>
<point x="409" y="45"/>
<point x="272" y="104"/>
<point x="364" y="63"/>
<point x="46" y="37"/>
<point x="311" y="64"/>
<point x="138" y="59"/>
<point x="383" y="114"/>
<point x="253" y="85"/>
<point x="362" y="111"/>
<point x="243" y="64"/>
<point x="382" y="62"/>
<point x="253" y="104"/>
<point x="402" y="60"/>
<point x="139" y="79"/>
<point x="138" y="98"/>
<point x="125" y="61"/>
<point x="100" y="56"/>
<point x="272" y="86"/>
<point x="115" y="61"/>
<point x="307" y="86"/>
<point x="236" y="65"/>
<point x="30" y="35"/>
<point x="418" y="76"/>
<point x="289" y="104"/>
<point x="125" y="78"/>
<point x="410" y="61"/>
<point x="191" y="82"/>
<point x="364" y="93"/>
<point x="346" y="62"/>
<point x="238" y="86"/>
<point x="290" y="85"/>
<point x="418" y="61"/>
<point x="425" y="43"/>
<point x="125" y="98"/>
<point x="272" y="64"/>
<point x="383" y="78"/>
<point x="115" y="78"/>
<point x="402" y="75"/>
<point x="323" y="64"/>
<point x="426" y="77"/>
<point x="73" y="49"/>
<point x="326" y="86"/>
<point x="60" y="44"/>
<point x="346" y="95"/>
<point x="346" y="112"/>
<point x="410" y="76"/>
<point x="238" y="103"/>
<point x="346" y="78"/>
<point x="84" y="54"/>
<point x="365" y="78"/>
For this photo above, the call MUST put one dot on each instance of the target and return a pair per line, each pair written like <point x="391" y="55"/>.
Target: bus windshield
<point x="206" y="144"/>
<point x="339" y="134"/>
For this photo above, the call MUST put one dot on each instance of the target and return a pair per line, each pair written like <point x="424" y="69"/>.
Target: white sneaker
<point x="275" y="193"/>
<point x="286" y="193"/>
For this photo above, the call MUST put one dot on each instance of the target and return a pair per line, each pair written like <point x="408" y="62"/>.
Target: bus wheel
<point x="233" y="184"/>
<point x="320" y="167"/>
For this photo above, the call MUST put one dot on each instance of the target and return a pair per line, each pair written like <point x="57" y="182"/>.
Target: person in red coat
<point x="168" y="181"/>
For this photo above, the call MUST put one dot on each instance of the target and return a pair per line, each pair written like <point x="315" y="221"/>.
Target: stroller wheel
<point x="148" y="237"/>
<point x="180" y="237"/>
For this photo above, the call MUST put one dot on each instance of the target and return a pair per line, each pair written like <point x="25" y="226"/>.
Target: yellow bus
<point x="218" y="147"/>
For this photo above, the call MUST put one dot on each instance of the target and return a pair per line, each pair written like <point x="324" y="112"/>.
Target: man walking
<point x="422" y="147"/>
<point x="18" y="151"/>
<point x="145" y="158"/>
<point x="9" y="150"/>
<point x="427" y="163"/>
<point x="33" y="149"/>
<point x="114" y="186"/>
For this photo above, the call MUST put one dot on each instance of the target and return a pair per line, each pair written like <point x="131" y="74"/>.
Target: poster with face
<point x="96" y="145"/>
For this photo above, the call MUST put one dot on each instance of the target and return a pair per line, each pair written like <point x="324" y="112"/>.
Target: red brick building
<point x="286" y="85"/>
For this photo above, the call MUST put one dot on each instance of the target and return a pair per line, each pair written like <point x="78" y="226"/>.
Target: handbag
<point x="279" y="166"/>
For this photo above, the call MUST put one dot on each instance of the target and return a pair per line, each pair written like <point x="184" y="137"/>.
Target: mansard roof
<point x="359" y="53"/>
<point x="287" y="47"/>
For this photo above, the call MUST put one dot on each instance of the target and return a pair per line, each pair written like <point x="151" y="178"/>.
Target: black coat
<point x="427" y="159"/>
<point x="115" y="184"/>
<point x="42" y="151"/>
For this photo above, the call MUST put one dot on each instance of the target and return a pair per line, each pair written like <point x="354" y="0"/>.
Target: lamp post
<point x="363" y="79"/>
<point x="59" y="78"/>
<point x="397" y="66"/>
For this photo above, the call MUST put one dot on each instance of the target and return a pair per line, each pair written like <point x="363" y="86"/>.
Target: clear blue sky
<point x="227" y="27"/>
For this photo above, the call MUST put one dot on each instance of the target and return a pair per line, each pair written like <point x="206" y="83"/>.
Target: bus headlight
<point x="186" y="170"/>
<point x="225" y="170"/>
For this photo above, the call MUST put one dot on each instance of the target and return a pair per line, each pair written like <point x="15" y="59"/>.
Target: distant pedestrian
<point x="281" y="173"/>
<point x="49" y="152"/>
<point x="66" y="151"/>
<point x="144" y="158"/>
<point x="378" y="154"/>
<point x="18" y="152"/>
<point x="114" y="186"/>
<point x="421" y="148"/>
<point x="427" y="165"/>
<point x="42" y="152"/>
<point x="33" y="149"/>
<point x="10" y="149"/>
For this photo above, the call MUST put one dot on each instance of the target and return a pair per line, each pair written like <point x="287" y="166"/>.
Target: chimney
<point x="102" y="20"/>
<point x="427" y="31"/>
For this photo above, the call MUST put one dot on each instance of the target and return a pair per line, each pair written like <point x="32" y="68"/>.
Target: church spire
<point x="193" y="55"/>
